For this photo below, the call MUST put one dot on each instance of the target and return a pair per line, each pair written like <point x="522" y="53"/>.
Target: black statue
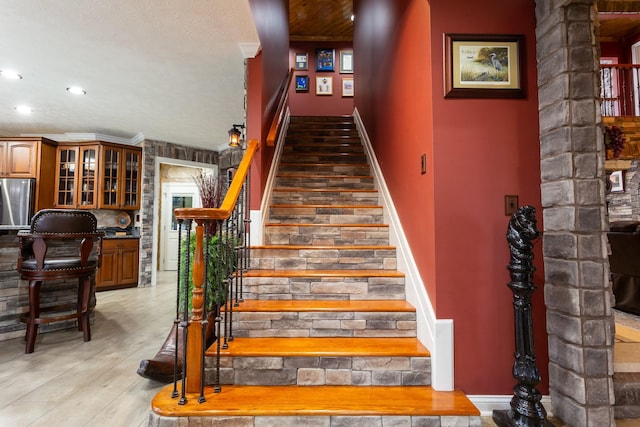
<point x="526" y="409"/>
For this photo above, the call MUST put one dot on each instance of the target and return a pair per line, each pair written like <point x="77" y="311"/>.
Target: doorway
<point x="174" y="195"/>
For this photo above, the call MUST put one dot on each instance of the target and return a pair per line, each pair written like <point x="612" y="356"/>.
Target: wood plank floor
<point x="67" y="382"/>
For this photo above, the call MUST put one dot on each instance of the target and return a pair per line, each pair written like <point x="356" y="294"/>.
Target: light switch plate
<point x="510" y="204"/>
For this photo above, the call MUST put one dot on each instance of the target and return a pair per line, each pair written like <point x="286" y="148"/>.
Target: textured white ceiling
<point x="169" y="70"/>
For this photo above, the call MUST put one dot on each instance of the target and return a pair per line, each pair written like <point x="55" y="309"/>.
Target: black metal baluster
<point x="219" y="300"/>
<point x="176" y="320"/>
<point x="185" y="315"/>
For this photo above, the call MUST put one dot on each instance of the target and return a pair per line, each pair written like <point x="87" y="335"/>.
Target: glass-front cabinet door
<point x="131" y="179"/>
<point x="109" y="166"/>
<point x="87" y="188"/>
<point x="66" y="177"/>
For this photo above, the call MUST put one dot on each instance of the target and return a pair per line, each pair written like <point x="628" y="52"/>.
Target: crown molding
<point x="249" y="50"/>
<point x="87" y="136"/>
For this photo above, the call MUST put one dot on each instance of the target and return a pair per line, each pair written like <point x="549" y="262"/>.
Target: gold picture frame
<point x="484" y="66"/>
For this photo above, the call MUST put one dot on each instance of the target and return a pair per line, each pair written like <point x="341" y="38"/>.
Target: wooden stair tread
<point x="324" y="346"/>
<point x="326" y="190"/>
<point x="298" y="175"/>
<point x="324" y="306"/>
<point x="323" y="273"/>
<point x="237" y="400"/>
<point x="326" y="207"/>
<point x="353" y="165"/>
<point x="286" y="224"/>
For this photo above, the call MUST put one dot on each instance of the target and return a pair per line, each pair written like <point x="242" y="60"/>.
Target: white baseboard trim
<point x="489" y="403"/>
<point x="436" y="334"/>
<point x="259" y="217"/>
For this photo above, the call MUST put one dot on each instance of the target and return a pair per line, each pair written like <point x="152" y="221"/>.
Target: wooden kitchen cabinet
<point x="120" y="178"/>
<point x="76" y="174"/>
<point x="98" y="175"/>
<point x="119" y="268"/>
<point x="30" y="157"/>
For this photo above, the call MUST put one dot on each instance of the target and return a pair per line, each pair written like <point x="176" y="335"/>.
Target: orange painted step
<point x="369" y="306"/>
<point x="324" y="190"/>
<point x="320" y="400"/>
<point x="328" y="206"/>
<point x="333" y="347"/>
<point x="278" y="224"/>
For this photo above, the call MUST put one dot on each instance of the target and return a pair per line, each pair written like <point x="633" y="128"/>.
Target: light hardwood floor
<point x="67" y="382"/>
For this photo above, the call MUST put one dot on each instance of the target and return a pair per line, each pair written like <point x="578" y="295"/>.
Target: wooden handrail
<point x="619" y="65"/>
<point x="230" y="199"/>
<point x="276" y="123"/>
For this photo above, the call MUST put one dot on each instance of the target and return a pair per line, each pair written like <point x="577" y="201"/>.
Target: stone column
<point x="577" y="290"/>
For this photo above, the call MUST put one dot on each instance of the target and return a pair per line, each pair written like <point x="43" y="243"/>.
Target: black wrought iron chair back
<point x="61" y="244"/>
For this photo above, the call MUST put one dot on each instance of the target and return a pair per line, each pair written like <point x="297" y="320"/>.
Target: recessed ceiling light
<point x="76" y="90"/>
<point x="9" y="74"/>
<point x="23" y="109"/>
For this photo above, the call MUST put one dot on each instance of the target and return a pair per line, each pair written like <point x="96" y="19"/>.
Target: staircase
<point x="325" y="336"/>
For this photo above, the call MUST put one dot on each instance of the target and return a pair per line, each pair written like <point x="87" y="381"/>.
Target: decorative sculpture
<point x="526" y="409"/>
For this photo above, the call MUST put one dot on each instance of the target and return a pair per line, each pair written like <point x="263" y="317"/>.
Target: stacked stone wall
<point x="577" y="289"/>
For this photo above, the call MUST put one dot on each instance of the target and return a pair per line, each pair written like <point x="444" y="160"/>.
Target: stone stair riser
<point x="303" y="147"/>
<point x="330" y="288"/>
<point x="322" y="421"/>
<point x="328" y="169"/>
<point x="324" y="324"/>
<point x="293" y="158"/>
<point x="330" y="259"/>
<point x="359" y="183"/>
<point x="316" y="371"/>
<point x="326" y="235"/>
<point x="300" y="197"/>
<point x="325" y="215"/>
<point x="326" y="133"/>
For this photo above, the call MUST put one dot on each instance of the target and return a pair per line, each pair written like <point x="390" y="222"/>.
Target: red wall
<point x="266" y="74"/>
<point x="308" y="103"/>
<point x="478" y="150"/>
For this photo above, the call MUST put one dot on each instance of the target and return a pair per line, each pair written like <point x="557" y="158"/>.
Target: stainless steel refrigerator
<point x="17" y="199"/>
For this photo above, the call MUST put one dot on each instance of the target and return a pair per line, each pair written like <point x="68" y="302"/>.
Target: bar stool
<point x="61" y="244"/>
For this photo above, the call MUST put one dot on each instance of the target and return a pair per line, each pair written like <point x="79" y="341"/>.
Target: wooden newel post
<point x="526" y="409"/>
<point x="194" y="336"/>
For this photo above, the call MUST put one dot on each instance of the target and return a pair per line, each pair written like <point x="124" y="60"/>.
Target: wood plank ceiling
<point x="330" y="20"/>
<point x="619" y="20"/>
<point x="320" y="20"/>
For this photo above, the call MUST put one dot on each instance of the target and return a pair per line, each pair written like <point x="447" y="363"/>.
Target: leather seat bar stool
<point x="61" y="244"/>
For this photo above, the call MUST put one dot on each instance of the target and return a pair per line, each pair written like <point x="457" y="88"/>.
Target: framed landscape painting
<point x="484" y="66"/>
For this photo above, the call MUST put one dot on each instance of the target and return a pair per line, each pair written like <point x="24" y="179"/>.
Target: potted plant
<point x="220" y="258"/>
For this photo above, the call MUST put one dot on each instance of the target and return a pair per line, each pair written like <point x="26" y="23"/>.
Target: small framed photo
<point x="346" y="61"/>
<point x="616" y="178"/>
<point x="347" y="86"/>
<point x="484" y="66"/>
<point x="302" y="61"/>
<point x="325" y="59"/>
<point x="302" y="83"/>
<point x="324" y="85"/>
